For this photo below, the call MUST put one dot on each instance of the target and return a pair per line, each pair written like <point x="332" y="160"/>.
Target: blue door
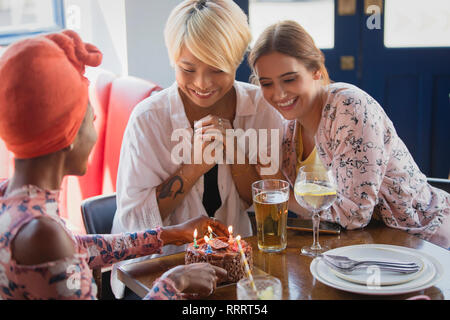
<point x="411" y="80"/>
<point x="412" y="83"/>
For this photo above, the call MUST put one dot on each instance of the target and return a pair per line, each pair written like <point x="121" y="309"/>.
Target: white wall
<point x="147" y="54"/>
<point x="130" y="33"/>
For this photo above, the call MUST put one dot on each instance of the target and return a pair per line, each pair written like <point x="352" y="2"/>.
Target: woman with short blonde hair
<point x="206" y="42"/>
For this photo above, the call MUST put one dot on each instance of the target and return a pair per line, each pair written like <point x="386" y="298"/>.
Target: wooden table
<point x="293" y="269"/>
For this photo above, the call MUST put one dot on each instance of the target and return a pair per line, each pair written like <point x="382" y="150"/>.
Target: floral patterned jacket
<point x="69" y="278"/>
<point x="374" y="171"/>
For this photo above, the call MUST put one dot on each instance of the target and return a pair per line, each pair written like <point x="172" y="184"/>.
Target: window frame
<point x="59" y="17"/>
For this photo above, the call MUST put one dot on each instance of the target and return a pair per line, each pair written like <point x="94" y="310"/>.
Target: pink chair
<point x="126" y="93"/>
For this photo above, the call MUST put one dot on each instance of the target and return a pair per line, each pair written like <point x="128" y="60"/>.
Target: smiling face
<point x="287" y="84"/>
<point x="202" y="84"/>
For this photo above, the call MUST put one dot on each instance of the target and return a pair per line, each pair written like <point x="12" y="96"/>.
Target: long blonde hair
<point x="215" y="31"/>
<point x="290" y="38"/>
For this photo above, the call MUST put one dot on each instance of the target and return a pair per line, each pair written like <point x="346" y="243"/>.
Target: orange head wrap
<point x="43" y="92"/>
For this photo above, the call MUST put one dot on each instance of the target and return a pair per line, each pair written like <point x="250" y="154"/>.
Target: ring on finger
<point x="220" y="122"/>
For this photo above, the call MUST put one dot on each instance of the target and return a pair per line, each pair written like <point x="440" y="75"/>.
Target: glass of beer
<point x="270" y="201"/>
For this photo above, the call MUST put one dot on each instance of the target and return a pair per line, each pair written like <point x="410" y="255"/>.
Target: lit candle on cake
<point x="210" y="232"/>
<point x="195" y="239"/>
<point x="208" y="250"/>
<point x="230" y="231"/>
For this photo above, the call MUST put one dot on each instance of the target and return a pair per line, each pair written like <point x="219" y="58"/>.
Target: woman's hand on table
<point x="184" y="233"/>
<point x="196" y="278"/>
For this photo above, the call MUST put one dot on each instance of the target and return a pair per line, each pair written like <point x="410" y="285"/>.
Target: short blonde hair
<point x="215" y="31"/>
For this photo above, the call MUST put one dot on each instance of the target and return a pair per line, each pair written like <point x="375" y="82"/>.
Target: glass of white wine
<point x="315" y="190"/>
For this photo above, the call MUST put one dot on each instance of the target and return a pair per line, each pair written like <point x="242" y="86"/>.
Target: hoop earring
<point x="69" y="148"/>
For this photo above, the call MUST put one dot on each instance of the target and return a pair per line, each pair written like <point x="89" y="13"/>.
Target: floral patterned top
<point x="374" y="171"/>
<point x="71" y="277"/>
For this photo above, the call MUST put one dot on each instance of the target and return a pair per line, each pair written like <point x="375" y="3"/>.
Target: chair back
<point x="443" y="184"/>
<point x="98" y="213"/>
<point x="126" y="93"/>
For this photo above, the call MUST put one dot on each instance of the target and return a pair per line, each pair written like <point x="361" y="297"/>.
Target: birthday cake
<point x="221" y="253"/>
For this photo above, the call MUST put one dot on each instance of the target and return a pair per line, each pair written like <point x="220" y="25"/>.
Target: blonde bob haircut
<point x="214" y="31"/>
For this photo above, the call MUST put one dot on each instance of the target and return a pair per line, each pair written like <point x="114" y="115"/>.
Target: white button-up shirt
<point x="145" y="161"/>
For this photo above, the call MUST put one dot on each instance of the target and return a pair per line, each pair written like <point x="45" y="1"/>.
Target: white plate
<point x="431" y="273"/>
<point x="384" y="278"/>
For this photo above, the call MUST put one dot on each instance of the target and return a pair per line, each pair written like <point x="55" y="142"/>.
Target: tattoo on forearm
<point x="166" y="188"/>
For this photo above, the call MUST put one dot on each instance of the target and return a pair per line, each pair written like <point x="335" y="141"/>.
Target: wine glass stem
<point x="316" y="222"/>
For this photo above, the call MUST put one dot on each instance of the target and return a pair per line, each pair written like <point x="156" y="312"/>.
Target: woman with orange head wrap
<point x="47" y="122"/>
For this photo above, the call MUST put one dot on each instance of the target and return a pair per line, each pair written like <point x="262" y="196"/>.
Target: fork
<point x="346" y="262"/>
<point x="404" y="270"/>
